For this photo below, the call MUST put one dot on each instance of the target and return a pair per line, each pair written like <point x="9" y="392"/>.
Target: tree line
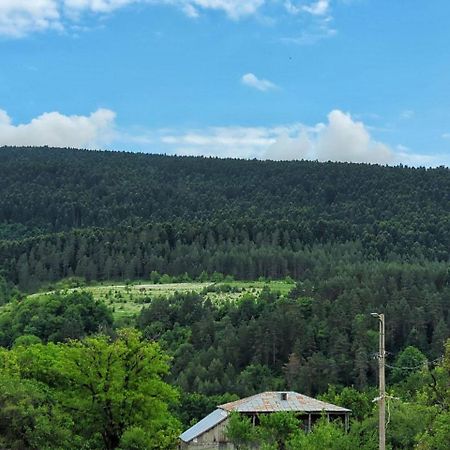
<point x="104" y="215"/>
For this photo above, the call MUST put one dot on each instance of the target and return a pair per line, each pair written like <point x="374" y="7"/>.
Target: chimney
<point x="284" y="396"/>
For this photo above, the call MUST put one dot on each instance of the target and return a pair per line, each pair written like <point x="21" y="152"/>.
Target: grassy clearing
<point x="127" y="300"/>
<point x="237" y="289"/>
<point x="281" y="286"/>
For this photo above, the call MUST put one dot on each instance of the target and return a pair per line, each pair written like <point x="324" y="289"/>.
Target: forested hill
<point x="109" y="214"/>
<point x="355" y="238"/>
<point x="61" y="189"/>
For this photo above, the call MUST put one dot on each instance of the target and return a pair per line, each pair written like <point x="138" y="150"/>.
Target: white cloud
<point x="55" y="129"/>
<point x="251" y="80"/>
<point x="20" y="17"/>
<point x="407" y="114"/>
<point x="315" y="8"/>
<point x="318" y="8"/>
<point x="235" y="9"/>
<point x="101" y="6"/>
<point x="233" y="142"/>
<point x="340" y="139"/>
<point x="191" y="11"/>
<point x="343" y="139"/>
<point x="319" y="25"/>
<point x="312" y="35"/>
<point x="287" y="147"/>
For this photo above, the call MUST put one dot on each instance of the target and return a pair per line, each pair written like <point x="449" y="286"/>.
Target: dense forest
<point x="354" y="238"/>
<point x="104" y="215"/>
<point x="48" y="190"/>
<point x="70" y="378"/>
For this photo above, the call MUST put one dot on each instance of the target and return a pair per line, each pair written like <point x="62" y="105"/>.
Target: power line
<point x="419" y="366"/>
<point x="425" y="363"/>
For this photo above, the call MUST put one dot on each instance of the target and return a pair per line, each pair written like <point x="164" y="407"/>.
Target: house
<point x="210" y="432"/>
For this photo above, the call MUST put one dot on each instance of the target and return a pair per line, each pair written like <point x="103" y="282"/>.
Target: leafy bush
<point x="54" y="317"/>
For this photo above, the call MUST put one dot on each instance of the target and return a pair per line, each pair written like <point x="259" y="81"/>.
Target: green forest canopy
<point x="104" y="215"/>
<point x="356" y="239"/>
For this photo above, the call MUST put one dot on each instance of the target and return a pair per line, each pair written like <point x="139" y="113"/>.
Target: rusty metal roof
<point x="273" y="402"/>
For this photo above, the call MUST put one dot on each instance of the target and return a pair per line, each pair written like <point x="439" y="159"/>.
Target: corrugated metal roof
<point x="210" y="421"/>
<point x="272" y="402"/>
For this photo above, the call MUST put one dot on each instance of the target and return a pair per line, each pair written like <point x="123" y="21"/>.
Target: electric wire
<point x="419" y="366"/>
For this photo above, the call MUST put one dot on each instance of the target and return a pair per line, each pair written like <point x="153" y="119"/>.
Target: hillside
<point x="127" y="300"/>
<point x="106" y="215"/>
<point x="95" y="241"/>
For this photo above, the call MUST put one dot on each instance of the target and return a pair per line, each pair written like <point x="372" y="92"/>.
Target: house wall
<point x="213" y="439"/>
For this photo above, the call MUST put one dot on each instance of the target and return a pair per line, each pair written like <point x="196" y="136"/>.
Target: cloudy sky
<point x="342" y="80"/>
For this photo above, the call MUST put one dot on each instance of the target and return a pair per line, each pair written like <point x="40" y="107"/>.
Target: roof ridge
<point x="268" y="400"/>
<point x="240" y="400"/>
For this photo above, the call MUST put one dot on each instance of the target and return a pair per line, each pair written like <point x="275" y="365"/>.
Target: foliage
<point x="320" y="334"/>
<point x="325" y="435"/>
<point x="54" y="317"/>
<point x="437" y="394"/>
<point x="240" y="431"/>
<point x="30" y="419"/>
<point x="437" y="436"/>
<point x="136" y="438"/>
<point x="109" y="387"/>
<point x="275" y="429"/>
<point x="408" y="361"/>
<point x="433" y="386"/>
<point x="360" y="402"/>
<point x="6" y="291"/>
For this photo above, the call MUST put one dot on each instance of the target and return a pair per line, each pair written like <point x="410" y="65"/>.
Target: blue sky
<point x="346" y="80"/>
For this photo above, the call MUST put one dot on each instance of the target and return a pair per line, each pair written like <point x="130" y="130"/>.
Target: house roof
<point x="273" y="402"/>
<point x="264" y="402"/>
<point x="210" y="421"/>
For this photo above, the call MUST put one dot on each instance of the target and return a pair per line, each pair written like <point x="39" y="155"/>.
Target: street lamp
<point x="382" y="383"/>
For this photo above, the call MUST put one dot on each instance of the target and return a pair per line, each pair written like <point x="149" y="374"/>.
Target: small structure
<point x="210" y="432"/>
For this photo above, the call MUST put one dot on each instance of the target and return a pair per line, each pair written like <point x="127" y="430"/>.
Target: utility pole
<point x="382" y="383"/>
